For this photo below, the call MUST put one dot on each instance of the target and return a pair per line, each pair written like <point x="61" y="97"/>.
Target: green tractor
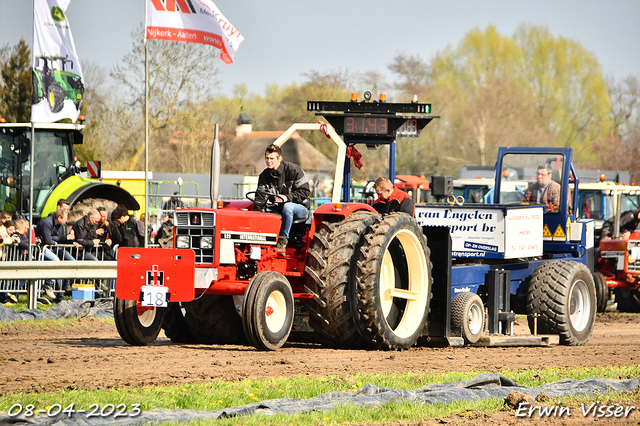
<point x="56" y="173"/>
<point x="55" y="85"/>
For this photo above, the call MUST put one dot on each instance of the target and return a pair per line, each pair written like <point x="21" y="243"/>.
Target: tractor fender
<point x="345" y="210"/>
<point x="76" y="188"/>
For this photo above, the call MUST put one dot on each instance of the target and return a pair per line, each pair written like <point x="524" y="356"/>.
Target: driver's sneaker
<point x="281" y="247"/>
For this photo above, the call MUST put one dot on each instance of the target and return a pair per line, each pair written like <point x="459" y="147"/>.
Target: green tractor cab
<point x="55" y="172"/>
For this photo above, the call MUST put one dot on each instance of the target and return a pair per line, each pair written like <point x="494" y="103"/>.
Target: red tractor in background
<point x="364" y="279"/>
<point x="618" y="264"/>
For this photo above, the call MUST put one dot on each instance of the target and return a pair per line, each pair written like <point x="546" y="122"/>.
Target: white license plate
<point x="154" y="296"/>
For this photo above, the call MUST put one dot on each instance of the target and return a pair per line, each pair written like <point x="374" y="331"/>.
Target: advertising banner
<point x="488" y="232"/>
<point x="58" y="89"/>
<point x="193" y="21"/>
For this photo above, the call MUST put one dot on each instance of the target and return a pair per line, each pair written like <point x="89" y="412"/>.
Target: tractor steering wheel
<point x="251" y="196"/>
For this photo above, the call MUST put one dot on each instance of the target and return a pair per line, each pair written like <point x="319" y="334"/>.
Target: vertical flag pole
<point x="146" y="126"/>
<point x="33" y="297"/>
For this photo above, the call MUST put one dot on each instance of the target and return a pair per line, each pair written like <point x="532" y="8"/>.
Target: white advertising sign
<point x="488" y="232"/>
<point x="523" y="233"/>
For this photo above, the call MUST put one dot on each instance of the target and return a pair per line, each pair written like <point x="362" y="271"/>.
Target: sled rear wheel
<point x="467" y="313"/>
<point x="562" y="295"/>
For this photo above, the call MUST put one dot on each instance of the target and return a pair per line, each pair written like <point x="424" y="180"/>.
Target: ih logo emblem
<point x="155" y="276"/>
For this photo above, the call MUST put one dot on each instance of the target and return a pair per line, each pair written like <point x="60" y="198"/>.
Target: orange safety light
<point x="505" y="173"/>
<point x="602" y="177"/>
<point x="81" y="118"/>
<point x="337" y="207"/>
<point x="354" y="97"/>
<point x="383" y="98"/>
<point x="2" y="120"/>
<point x="220" y="204"/>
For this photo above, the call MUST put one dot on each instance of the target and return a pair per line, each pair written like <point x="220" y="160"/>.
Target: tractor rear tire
<point x="393" y="282"/>
<point x="602" y="291"/>
<point x="267" y="311"/>
<point x="81" y="208"/>
<point x="628" y="299"/>
<point x="563" y="296"/>
<point x="329" y="277"/>
<point x="213" y="319"/>
<point x="137" y="325"/>
<point x="467" y="313"/>
<point x="175" y="326"/>
<point x="55" y="97"/>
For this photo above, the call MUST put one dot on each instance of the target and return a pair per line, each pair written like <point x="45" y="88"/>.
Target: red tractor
<point x="618" y="269"/>
<point x="362" y="279"/>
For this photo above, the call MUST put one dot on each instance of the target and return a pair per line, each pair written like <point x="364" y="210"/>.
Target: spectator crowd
<point x="95" y="236"/>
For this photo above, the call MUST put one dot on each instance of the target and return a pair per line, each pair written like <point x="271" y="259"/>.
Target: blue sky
<point x="286" y="38"/>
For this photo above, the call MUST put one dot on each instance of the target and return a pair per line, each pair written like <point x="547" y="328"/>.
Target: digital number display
<point x="366" y="125"/>
<point x="409" y="129"/>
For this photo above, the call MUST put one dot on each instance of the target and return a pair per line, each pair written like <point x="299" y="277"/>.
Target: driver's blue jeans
<point x="290" y="211"/>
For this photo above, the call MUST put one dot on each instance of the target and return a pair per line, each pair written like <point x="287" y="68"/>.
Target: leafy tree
<point x="491" y="90"/>
<point x="16" y="87"/>
<point x="178" y="73"/>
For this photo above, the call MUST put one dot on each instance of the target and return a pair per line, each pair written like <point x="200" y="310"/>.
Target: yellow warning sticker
<point x="559" y="234"/>
<point x="546" y="233"/>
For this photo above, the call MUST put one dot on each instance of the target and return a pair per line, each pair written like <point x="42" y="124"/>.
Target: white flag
<point x="193" y="21"/>
<point x="57" y="78"/>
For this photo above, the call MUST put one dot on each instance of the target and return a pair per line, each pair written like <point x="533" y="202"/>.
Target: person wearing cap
<point x="173" y="203"/>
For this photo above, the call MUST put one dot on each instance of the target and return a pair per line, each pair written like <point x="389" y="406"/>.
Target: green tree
<point x="491" y="90"/>
<point x="569" y="88"/>
<point x="179" y="74"/>
<point x="15" y="84"/>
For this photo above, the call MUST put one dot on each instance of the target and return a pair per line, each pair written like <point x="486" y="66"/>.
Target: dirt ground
<point x="89" y="354"/>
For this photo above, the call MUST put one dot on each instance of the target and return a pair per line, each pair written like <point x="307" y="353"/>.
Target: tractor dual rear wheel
<point x="628" y="299"/>
<point x="562" y="296"/>
<point x="393" y="282"/>
<point x="175" y="325"/>
<point x="213" y="319"/>
<point x="329" y="277"/>
<point x="267" y="311"/>
<point x="137" y="325"/>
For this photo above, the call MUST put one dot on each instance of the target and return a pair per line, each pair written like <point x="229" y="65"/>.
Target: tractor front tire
<point x="602" y="291"/>
<point x="213" y="319"/>
<point x="393" y="282"/>
<point x="137" y="325"/>
<point x="267" y="311"/>
<point x="329" y="277"/>
<point x="175" y="326"/>
<point x="55" y="97"/>
<point x="563" y="297"/>
<point x="467" y="314"/>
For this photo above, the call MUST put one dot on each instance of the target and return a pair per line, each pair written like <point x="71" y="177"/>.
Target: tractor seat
<point x="302" y="219"/>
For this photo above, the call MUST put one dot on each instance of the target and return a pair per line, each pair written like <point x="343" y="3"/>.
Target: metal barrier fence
<point x="55" y="267"/>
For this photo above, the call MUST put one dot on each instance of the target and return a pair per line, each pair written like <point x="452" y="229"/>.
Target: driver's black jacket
<point x="288" y="181"/>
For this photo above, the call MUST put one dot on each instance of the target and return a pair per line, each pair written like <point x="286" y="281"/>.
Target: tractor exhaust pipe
<point x="214" y="176"/>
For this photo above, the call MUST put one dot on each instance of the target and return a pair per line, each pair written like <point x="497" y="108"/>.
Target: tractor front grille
<point x="196" y="230"/>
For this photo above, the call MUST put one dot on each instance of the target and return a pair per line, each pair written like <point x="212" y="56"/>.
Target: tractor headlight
<point x="182" y="241"/>
<point x="206" y="242"/>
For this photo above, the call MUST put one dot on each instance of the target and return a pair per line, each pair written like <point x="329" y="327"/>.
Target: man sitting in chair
<point x="286" y="186"/>
<point x="544" y="191"/>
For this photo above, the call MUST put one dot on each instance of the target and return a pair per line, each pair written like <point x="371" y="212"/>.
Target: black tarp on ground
<point x="480" y="387"/>
<point x="99" y="308"/>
